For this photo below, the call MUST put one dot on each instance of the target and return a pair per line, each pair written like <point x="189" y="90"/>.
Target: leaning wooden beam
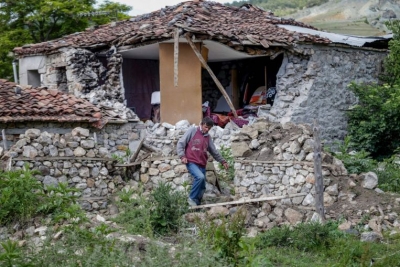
<point x="219" y="85"/>
<point x="151" y="148"/>
<point x="134" y="155"/>
<point x="176" y="55"/>
<point x="238" y="202"/>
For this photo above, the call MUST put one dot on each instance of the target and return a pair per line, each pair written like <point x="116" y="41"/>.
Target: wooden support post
<point x="266" y="78"/>
<point x="238" y="202"/>
<point x="176" y="56"/>
<point x="219" y="85"/>
<point x="235" y="88"/>
<point x="3" y="132"/>
<point x="319" y="182"/>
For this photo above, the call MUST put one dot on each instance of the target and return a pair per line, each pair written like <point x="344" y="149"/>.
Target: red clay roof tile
<point x="216" y="20"/>
<point x="40" y="104"/>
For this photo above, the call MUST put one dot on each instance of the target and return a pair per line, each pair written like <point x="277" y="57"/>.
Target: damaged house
<point x="240" y="61"/>
<point x="94" y="94"/>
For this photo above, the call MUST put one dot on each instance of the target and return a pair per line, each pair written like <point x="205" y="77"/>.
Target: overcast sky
<point x="147" y="6"/>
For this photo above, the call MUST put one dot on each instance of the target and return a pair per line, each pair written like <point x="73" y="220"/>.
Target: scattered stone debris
<point x="271" y="160"/>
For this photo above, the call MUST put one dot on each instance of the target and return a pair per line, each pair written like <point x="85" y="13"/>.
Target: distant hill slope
<point x="354" y="17"/>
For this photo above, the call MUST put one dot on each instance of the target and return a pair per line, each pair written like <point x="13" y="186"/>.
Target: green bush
<point x="135" y="212"/>
<point x="229" y="174"/>
<point x="11" y="255"/>
<point x="304" y="237"/>
<point x="355" y="162"/>
<point x="19" y="195"/>
<point x="169" y="206"/>
<point x="225" y="235"/>
<point x="388" y="174"/>
<point x="22" y="197"/>
<point x="372" y="123"/>
<point x="159" y="213"/>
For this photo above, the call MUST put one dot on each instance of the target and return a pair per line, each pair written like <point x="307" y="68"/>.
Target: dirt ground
<point x="361" y="203"/>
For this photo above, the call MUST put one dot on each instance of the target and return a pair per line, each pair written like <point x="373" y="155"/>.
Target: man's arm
<point x="184" y="140"/>
<point x="214" y="152"/>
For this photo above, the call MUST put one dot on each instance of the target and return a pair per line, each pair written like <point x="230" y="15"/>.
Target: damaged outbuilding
<point x="263" y="66"/>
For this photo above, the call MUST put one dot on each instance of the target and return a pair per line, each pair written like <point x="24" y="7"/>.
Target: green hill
<point x="353" y="17"/>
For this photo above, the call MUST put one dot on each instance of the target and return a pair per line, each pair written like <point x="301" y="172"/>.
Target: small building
<point x="245" y="51"/>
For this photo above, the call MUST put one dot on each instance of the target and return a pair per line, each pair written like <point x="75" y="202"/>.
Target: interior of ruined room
<point x="152" y="93"/>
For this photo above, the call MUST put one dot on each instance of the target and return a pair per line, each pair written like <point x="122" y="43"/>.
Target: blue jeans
<point x="199" y="182"/>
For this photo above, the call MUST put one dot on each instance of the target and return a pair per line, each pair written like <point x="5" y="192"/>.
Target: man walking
<point x="192" y="149"/>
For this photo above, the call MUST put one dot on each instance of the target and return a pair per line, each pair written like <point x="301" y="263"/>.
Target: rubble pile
<point x="271" y="160"/>
<point x="86" y="77"/>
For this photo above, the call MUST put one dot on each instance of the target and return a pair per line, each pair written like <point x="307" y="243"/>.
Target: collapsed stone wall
<point x="316" y="86"/>
<point x="88" y="78"/>
<point x="271" y="160"/>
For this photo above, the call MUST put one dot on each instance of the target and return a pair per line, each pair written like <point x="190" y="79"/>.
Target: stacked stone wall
<point x="81" y="158"/>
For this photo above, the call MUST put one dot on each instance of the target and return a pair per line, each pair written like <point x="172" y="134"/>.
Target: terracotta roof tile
<point x="40" y="104"/>
<point x="211" y="19"/>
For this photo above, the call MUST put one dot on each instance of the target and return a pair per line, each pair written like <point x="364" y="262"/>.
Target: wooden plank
<point x="282" y="162"/>
<point x="49" y="130"/>
<point x="319" y="181"/>
<point x="176" y="56"/>
<point x="245" y="201"/>
<point x="217" y="82"/>
<point x="62" y="158"/>
<point x="128" y="164"/>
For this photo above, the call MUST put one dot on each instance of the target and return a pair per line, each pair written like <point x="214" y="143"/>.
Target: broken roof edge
<point x="335" y="38"/>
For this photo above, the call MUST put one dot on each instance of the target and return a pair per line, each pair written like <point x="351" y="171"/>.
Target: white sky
<point x="147" y="6"/>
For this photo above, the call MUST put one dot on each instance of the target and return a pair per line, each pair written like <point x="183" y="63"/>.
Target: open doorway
<point x="141" y="78"/>
<point x="250" y="84"/>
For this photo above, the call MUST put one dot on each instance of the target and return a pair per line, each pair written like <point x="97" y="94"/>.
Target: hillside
<point x="357" y="17"/>
<point x="353" y="17"/>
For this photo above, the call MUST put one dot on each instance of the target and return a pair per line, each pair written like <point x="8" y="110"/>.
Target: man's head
<point x="206" y="124"/>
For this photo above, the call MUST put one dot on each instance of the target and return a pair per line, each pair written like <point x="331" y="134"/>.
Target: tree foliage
<point x="374" y="124"/>
<point x="34" y="21"/>
<point x="392" y="63"/>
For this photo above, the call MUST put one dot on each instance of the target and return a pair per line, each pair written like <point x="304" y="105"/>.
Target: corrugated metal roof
<point x="338" y="38"/>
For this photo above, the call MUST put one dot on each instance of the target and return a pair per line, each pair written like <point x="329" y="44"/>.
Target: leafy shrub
<point x="22" y="196"/>
<point x="160" y="213"/>
<point x="135" y="215"/>
<point x="224" y="236"/>
<point x="227" y="175"/>
<point x="169" y="205"/>
<point x="61" y="202"/>
<point x="372" y="123"/>
<point x="388" y="174"/>
<point x="188" y="254"/>
<point x="19" y="195"/>
<point x="12" y="255"/>
<point x="82" y="247"/>
<point x="355" y="162"/>
<point x="305" y="236"/>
